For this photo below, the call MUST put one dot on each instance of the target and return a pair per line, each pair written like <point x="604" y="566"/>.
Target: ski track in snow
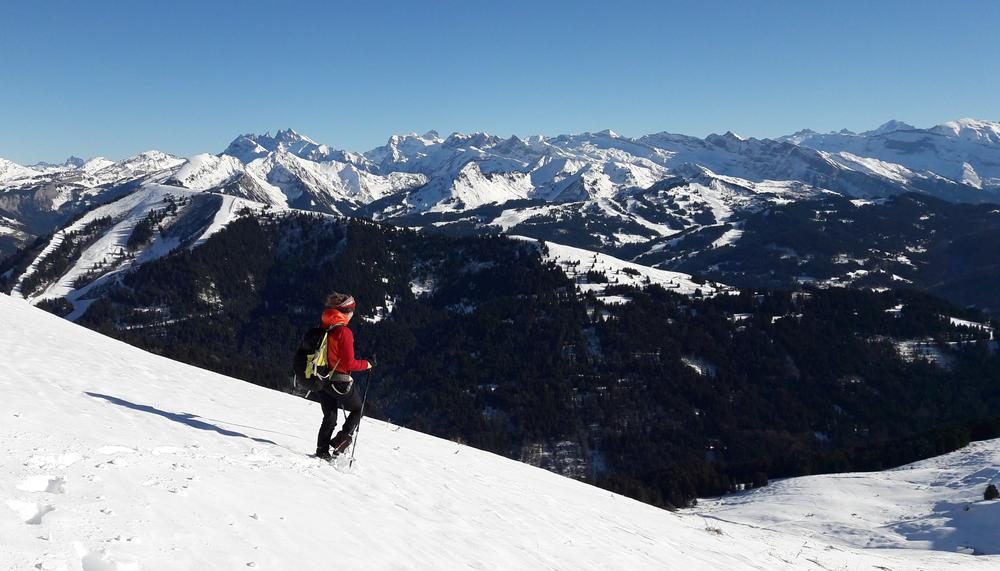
<point x="117" y="459"/>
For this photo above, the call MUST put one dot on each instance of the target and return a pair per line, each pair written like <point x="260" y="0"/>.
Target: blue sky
<point x="116" y="78"/>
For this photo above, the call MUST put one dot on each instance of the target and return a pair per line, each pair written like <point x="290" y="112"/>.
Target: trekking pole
<point x="357" y="431"/>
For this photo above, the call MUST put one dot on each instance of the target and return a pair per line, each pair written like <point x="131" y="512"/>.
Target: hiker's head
<point x="342" y="302"/>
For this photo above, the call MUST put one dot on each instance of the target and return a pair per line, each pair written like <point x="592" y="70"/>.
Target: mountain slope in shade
<point x="119" y="459"/>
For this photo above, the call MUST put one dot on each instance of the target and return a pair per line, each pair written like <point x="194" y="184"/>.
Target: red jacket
<point x="340" y="344"/>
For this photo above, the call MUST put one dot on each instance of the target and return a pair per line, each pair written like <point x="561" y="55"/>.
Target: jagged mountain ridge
<point x="965" y="151"/>
<point x="594" y="190"/>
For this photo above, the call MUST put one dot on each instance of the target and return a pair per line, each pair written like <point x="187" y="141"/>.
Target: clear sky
<point x="116" y="78"/>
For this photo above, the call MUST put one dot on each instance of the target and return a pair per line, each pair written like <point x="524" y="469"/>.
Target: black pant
<point x="330" y="400"/>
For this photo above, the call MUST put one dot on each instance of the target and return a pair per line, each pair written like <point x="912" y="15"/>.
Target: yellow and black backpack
<point x="309" y="368"/>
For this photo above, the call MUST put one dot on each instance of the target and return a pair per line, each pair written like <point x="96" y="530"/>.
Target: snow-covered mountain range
<point x="118" y="459"/>
<point x="964" y="151"/>
<point x="618" y="179"/>
<point x="644" y="199"/>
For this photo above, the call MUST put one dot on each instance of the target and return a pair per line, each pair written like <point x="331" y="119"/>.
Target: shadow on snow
<point x="181" y="417"/>
<point x="955" y="525"/>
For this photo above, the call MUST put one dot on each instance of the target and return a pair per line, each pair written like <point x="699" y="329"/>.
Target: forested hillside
<point x="909" y="241"/>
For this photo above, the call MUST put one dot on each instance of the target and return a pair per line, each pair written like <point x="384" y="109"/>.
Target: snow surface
<point x="730" y="236"/>
<point x="10" y="171"/>
<point x="285" y="177"/>
<point x="966" y="151"/>
<point x="512" y="217"/>
<point x="117" y="459"/>
<point x="891" y="171"/>
<point x="971" y="129"/>
<point x="576" y="262"/>
<point x="935" y="504"/>
<point x="10" y="227"/>
<point x="143" y="164"/>
<point x="229" y="211"/>
<point x="205" y="171"/>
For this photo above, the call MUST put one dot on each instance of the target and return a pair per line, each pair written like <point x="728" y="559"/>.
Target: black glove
<point x="371" y="363"/>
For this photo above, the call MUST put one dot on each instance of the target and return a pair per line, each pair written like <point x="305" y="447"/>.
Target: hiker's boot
<point x="340" y="443"/>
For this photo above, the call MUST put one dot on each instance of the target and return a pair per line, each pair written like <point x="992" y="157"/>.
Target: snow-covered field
<point x="117" y="459"/>
<point x="933" y="504"/>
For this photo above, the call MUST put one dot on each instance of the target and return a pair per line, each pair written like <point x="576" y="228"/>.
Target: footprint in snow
<point x="101" y="561"/>
<point x="30" y="513"/>
<point x="49" y="563"/>
<point x="121" y="456"/>
<point x="43" y="483"/>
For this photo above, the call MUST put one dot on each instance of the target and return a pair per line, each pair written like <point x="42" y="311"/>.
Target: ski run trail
<point x="117" y="459"/>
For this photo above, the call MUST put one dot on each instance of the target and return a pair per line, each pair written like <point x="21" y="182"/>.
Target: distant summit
<point x="251" y="146"/>
<point x="72" y="162"/>
<point x="889" y="127"/>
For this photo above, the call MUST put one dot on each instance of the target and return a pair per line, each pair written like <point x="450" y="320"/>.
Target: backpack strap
<point x="333" y="369"/>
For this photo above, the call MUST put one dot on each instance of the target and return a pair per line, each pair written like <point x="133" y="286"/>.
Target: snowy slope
<point x="250" y="146"/>
<point x="108" y="256"/>
<point x="100" y="171"/>
<point x="966" y="151"/>
<point x="205" y="171"/>
<point x="576" y="262"/>
<point x="73" y="188"/>
<point x="117" y="459"/>
<point x="10" y="170"/>
<point x="933" y="504"/>
<point x="284" y="179"/>
<point x="10" y="227"/>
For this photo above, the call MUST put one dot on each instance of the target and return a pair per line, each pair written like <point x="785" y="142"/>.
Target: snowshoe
<point x="340" y="444"/>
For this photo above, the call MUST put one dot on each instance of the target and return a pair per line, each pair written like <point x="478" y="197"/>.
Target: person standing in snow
<point x="340" y="391"/>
